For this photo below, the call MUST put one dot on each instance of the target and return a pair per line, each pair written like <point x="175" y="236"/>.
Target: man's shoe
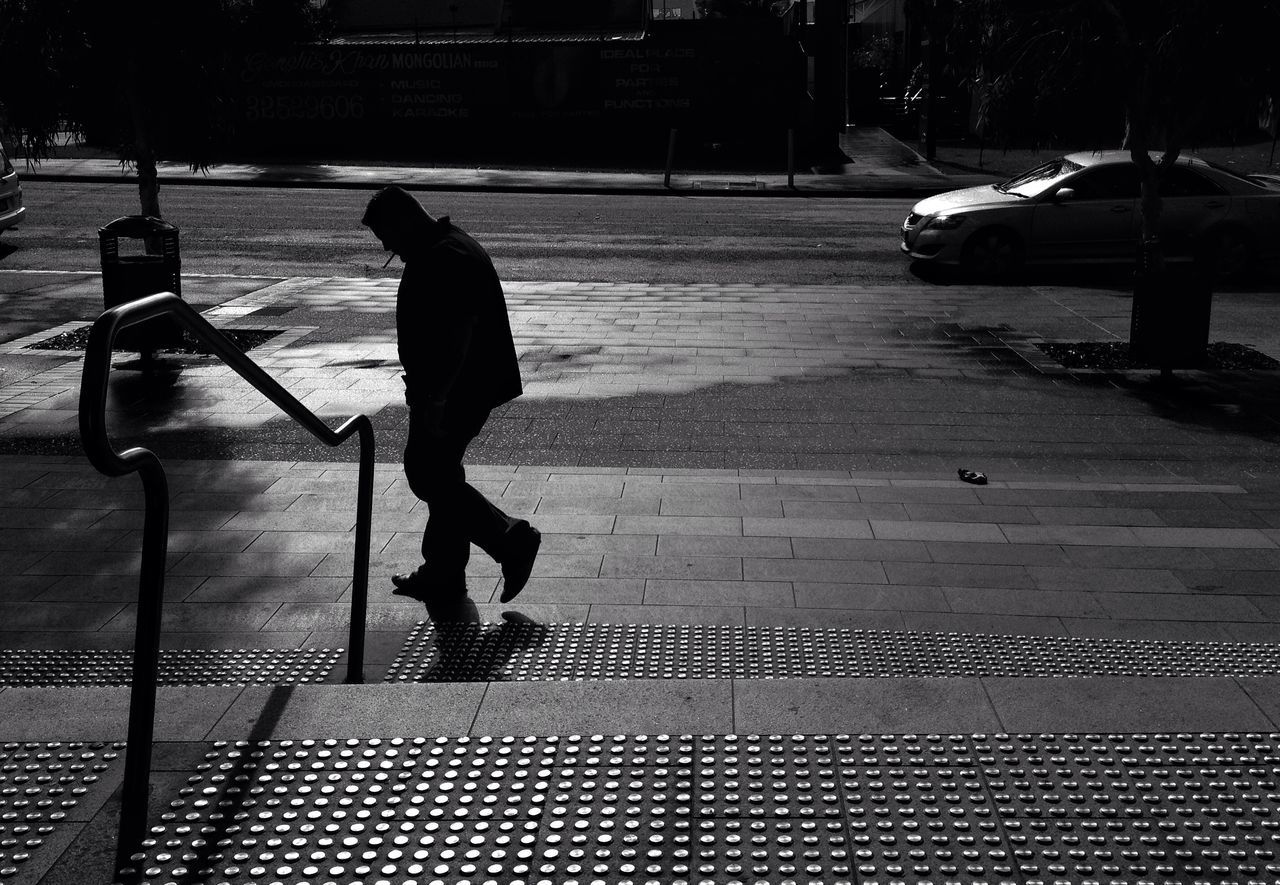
<point x="517" y="565"/>
<point x="416" y="585"/>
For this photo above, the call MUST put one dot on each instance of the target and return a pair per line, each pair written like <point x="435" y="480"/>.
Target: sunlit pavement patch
<point x="727" y="808"/>
<point x="34" y="667"/>
<point x="461" y="652"/>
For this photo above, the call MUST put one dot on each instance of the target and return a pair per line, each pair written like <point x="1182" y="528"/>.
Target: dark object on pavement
<point x="129" y="277"/>
<point x="1169" y="323"/>
<point x="973" y="476"/>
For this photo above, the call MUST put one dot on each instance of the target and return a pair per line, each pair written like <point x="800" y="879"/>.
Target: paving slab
<point x="347" y="711"/>
<point x="1129" y="705"/>
<point x="102" y="714"/>
<point x="799" y="706"/>
<point x="734" y="458"/>
<point x="646" y="706"/>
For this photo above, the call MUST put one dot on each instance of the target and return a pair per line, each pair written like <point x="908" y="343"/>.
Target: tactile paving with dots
<point x="515" y="651"/>
<point x="1030" y="808"/>
<point x="35" y="667"/>
<point x="41" y="784"/>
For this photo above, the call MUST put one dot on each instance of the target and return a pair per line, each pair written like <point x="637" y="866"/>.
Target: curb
<point x="538" y="182"/>
<point x="918" y="192"/>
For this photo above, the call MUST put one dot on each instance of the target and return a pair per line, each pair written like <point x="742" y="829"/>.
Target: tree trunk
<point x="148" y="181"/>
<point x="144" y="150"/>
<point x="1151" y="249"/>
<point x="1136" y="135"/>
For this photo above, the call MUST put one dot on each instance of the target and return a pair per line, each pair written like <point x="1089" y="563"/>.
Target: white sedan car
<point x="11" y="208"/>
<point x="1086" y="207"/>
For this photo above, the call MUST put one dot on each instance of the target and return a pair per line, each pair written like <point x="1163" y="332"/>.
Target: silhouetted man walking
<point x="459" y="363"/>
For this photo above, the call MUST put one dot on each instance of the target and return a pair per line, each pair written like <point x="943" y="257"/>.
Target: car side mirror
<point x="1064" y="194"/>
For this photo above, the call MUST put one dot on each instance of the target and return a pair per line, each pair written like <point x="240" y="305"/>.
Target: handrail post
<point x="360" y="567"/>
<point x="155" y="538"/>
<point x="146" y="662"/>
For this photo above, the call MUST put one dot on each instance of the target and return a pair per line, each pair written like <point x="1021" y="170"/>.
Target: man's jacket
<point x="451" y="321"/>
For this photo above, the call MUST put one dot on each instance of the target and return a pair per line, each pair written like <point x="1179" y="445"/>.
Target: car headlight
<point x="946" y="222"/>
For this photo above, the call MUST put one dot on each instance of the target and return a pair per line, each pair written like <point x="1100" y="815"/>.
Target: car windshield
<point x="1035" y="181"/>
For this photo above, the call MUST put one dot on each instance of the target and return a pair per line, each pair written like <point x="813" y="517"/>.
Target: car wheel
<point x="1229" y="254"/>
<point x="992" y="254"/>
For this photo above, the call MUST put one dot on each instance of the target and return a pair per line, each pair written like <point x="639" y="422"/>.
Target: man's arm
<point x="451" y="324"/>
<point x="450" y="343"/>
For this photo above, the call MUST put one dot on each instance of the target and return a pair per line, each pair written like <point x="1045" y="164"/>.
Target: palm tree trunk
<point x="144" y="150"/>
<point x="148" y="181"/>
<point x="1151" y="250"/>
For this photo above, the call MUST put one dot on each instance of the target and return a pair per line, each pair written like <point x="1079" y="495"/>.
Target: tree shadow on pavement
<point x="232" y="798"/>
<point x="1242" y="404"/>
<point x="1104" y="276"/>
<point x="1117" y="276"/>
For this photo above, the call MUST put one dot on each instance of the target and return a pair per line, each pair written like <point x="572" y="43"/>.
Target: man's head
<point x="396" y="218"/>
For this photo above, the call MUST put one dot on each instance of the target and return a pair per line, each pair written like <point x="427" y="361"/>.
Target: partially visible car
<point x="1086" y="207"/>
<point x="11" y="208"/>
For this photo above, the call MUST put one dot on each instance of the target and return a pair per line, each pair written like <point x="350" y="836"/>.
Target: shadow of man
<point x="467" y="650"/>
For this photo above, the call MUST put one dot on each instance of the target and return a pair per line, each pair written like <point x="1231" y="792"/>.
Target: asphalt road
<point x="316" y="232"/>
<point x="253" y="236"/>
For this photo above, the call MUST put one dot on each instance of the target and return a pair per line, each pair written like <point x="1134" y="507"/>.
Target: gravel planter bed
<point x="1114" y="356"/>
<point x="245" y="339"/>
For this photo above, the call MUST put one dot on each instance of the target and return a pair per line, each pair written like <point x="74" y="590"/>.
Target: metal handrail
<point x="155" y="532"/>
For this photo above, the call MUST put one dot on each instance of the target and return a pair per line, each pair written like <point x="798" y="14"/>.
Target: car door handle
<point x="1121" y="209"/>
<point x="1214" y="204"/>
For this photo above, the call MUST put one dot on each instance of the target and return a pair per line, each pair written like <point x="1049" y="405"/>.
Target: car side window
<point x="1179" y="181"/>
<point x="1120" y="182"/>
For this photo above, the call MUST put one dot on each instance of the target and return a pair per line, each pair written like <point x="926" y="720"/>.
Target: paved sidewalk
<point x="879" y="165"/>
<point x="770" y="628"/>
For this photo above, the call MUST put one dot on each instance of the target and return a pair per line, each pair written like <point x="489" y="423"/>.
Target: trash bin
<point x="1169" y="324"/>
<point x="128" y="277"/>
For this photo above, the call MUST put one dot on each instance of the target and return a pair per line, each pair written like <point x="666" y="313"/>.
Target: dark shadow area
<point x="146" y="386"/>
<point x="364" y="363"/>
<point x="858" y="417"/>
<point x="1117" y="276"/>
<point x="1115" y="356"/>
<point x="1237" y="392"/>
<point x="6" y="248"/>
<point x="461" y="610"/>
<point x="466" y="650"/>
<point x="233" y="798"/>
<point x="1237" y="403"/>
<point x="153" y="392"/>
